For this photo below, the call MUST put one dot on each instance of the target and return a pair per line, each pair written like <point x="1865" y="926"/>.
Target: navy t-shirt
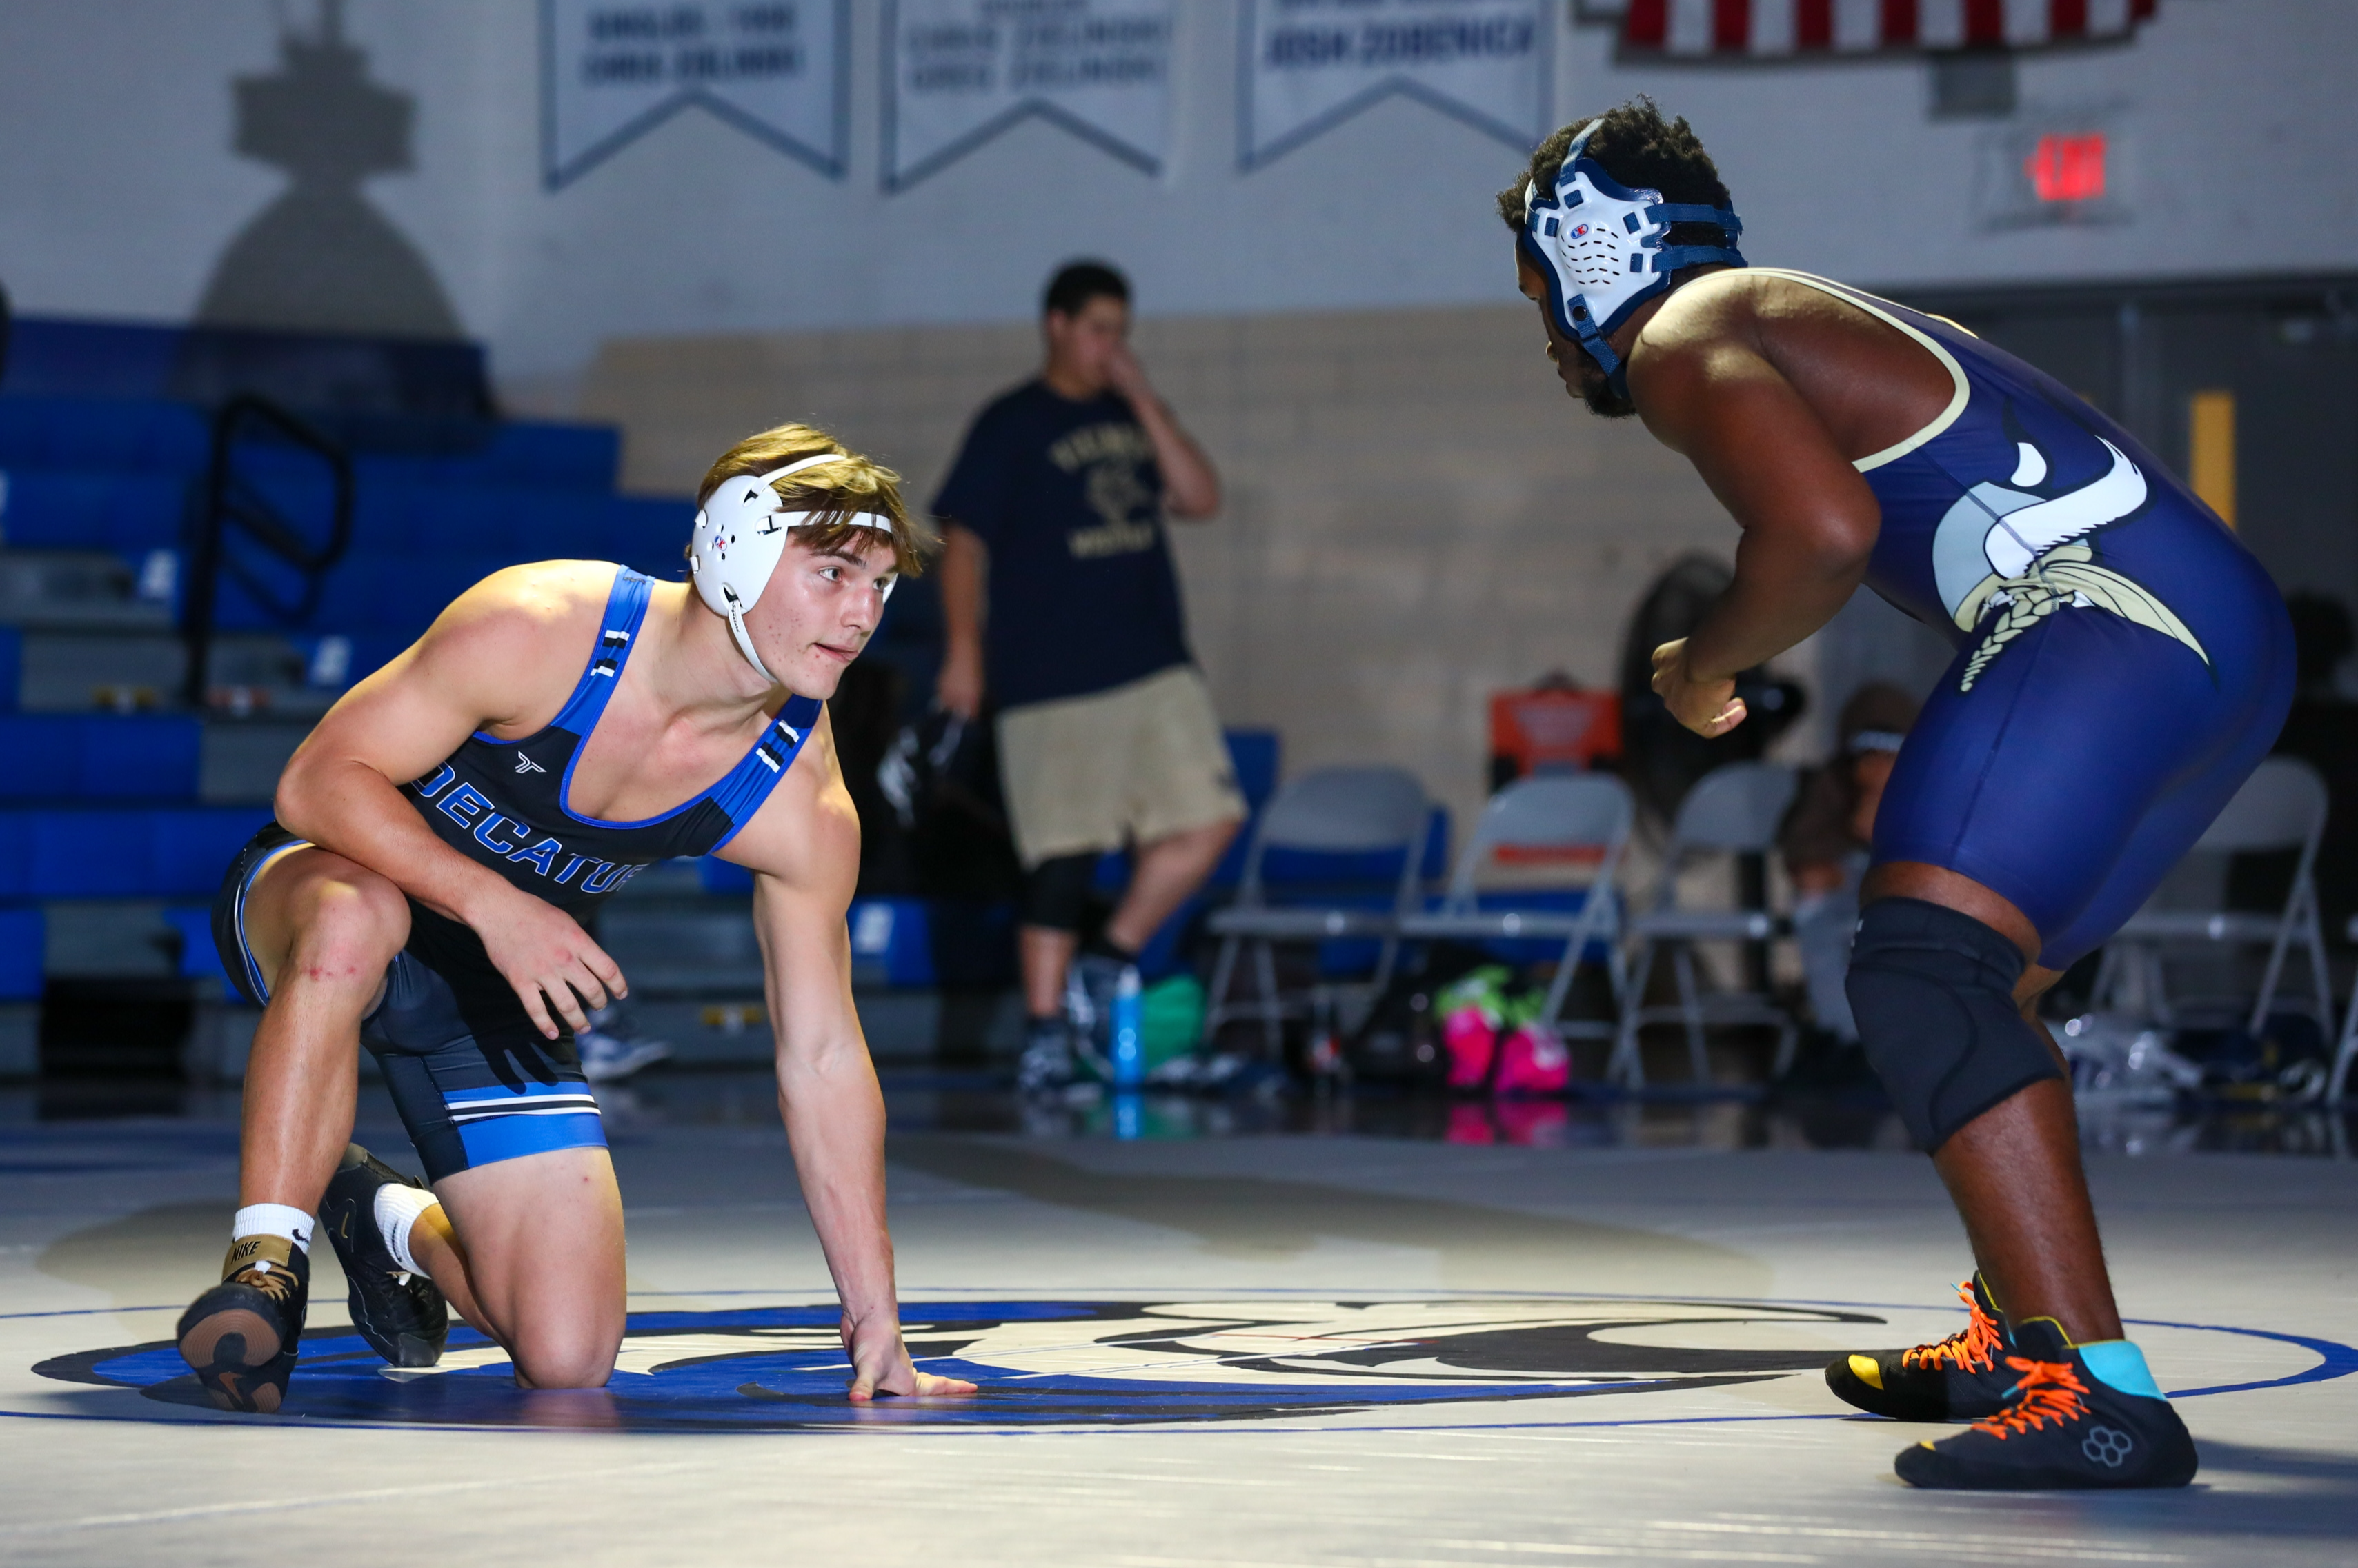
<point x="1067" y="499"/>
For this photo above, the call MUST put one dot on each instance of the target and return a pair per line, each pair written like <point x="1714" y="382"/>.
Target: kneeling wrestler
<point x="440" y="838"/>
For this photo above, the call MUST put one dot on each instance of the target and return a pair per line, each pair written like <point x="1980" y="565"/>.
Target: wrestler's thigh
<point x="338" y="902"/>
<point x="542" y="1235"/>
<point x="2158" y="842"/>
<point x="2036" y="783"/>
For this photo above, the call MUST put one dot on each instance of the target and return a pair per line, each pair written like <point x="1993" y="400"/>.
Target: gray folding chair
<point x="1552" y="812"/>
<point x="2281" y="807"/>
<point x="1332" y="811"/>
<point x="1734" y="810"/>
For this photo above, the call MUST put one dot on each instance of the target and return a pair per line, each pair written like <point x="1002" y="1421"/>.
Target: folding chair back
<point x="1341" y="811"/>
<point x="1555" y="811"/>
<point x="2281" y="807"/>
<point x="1337" y="811"/>
<point x="1732" y="810"/>
<point x="1735" y="809"/>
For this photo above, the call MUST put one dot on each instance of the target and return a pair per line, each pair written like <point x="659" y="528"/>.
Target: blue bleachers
<point x="135" y="852"/>
<point x="22" y="937"/>
<point x="97" y="454"/>
<point x="65" y="757"/>
<point x="101" y="435"/>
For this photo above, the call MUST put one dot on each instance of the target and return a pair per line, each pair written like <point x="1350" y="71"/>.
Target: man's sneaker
<point x="1961" y="1378"/>
<point x="401" y="1314"/>
<point x="2065" y="1424"/>
<point x="240" y="1336"/>
<point x="611" y="1049"/>
<point x="1047" y="1062"/>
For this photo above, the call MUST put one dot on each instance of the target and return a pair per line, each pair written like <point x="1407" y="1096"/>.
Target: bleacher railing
<point x="231" y="498"/>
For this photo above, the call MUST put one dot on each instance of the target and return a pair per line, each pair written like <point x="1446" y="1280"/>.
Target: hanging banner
<point x="957" y="73"/>
<point x="1309" y="65"/>
<point x="777" y="69"/>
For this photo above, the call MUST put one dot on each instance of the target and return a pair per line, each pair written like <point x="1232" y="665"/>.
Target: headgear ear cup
<point x="1598" y="243"/>
<point x="740" y="534"/>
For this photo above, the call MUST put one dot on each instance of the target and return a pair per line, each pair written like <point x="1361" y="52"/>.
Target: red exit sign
<point x="2067" y="166"/>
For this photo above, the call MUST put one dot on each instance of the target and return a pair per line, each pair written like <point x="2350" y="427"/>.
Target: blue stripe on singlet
<point x="500" y="1123"/>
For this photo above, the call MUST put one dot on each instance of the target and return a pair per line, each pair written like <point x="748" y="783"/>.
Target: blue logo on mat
<point x="1049" y="1364"/>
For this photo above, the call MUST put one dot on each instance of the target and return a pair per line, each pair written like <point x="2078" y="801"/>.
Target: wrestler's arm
<point x="492" y="658"/>
<point x="1706" y="389"/>
<point x="802" y="849"/>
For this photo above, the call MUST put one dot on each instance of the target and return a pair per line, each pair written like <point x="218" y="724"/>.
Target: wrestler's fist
<point x="880" y="1364"/>
<point x="1711" y="708"/>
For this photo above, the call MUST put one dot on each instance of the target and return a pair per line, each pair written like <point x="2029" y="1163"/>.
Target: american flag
<point x="1771" y="29"/>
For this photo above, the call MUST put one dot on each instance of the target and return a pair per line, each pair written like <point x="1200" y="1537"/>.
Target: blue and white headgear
<point x="739" y="534"/>
<point x="1599" y="246"/>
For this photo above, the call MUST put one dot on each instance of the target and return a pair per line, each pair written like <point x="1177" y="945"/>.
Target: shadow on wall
<point x="320" y="258"/>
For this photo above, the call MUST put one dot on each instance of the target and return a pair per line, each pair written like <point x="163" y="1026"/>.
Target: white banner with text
<point x="777" y="69"/>
<point x="957" y="73"/>
<point x="1309" y="65"/>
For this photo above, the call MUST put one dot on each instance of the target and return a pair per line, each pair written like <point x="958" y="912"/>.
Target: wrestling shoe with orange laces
<point x="240" y="1336"/>
<point x="1962" y="1378"/>
<point x="2077" y="1417"/>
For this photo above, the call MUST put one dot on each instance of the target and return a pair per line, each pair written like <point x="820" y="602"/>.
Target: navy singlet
<point x="2123" y="663"/>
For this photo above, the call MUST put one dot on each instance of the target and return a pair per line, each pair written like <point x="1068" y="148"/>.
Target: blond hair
<point x="835" y="492"/>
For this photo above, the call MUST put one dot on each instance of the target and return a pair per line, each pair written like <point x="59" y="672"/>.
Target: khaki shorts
<point x="1133" y="765"/>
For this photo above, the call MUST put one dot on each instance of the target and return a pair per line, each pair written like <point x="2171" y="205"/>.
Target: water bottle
<point x="1129" y="1049"/>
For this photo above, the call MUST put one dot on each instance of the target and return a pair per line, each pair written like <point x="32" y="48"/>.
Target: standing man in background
<point x="1106" y="736"/>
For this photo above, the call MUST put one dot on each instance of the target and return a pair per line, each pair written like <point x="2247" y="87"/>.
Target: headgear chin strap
<point x="1599" y="246"/>
<point x="739" y="534"/>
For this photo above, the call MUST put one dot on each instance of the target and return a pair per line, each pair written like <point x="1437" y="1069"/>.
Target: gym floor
<point x="1321" y="1340"/>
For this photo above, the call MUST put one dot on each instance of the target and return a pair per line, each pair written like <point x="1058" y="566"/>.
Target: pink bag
<point x="1470" y="1034"/>
<point x="1531" y="1062"/>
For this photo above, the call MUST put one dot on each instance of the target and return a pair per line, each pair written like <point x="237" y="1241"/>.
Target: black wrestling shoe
<point x="1962" y="1378"/>
<point x="240" y="1336"/>
<point x="2063" y="1427"/>
<point x="401" y="1314"/>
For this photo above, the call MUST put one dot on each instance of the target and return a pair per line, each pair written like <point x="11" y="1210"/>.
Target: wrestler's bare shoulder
<point x="526" y="614"/>
<point x="1748" y="305"/>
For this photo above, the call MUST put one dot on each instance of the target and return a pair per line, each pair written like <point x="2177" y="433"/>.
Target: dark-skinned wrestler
<point x="2122" y="666"/>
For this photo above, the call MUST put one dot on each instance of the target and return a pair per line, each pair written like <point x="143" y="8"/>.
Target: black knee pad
<point x="1057" y="891"/>
<point x="1933" y="993"/>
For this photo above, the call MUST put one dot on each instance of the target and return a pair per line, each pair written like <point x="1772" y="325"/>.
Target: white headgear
<point x="1599" y="244"/>
<point x="739" y="534"/>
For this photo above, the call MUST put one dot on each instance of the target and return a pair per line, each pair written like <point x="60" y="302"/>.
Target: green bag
<point x="1169" y="1019"/>
<point x="1170" y="1023"/>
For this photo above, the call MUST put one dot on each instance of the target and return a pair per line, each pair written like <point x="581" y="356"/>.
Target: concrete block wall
<point x="1417" y="515"/>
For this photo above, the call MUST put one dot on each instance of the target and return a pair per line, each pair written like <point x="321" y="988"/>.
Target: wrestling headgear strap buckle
<point x="739" y="534"/>
<point x="1599" y="246"/>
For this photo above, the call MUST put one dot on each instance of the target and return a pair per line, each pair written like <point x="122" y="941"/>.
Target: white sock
<point x="397" y="1209"/>
<point x="272" y="1219"/>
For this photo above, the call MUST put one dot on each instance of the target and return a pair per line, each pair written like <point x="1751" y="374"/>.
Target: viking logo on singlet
<point x="2021" y="549"/>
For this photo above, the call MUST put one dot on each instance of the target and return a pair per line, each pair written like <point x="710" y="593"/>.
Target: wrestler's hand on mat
<point x="880" y="1364"/>
<point x="543" y="952"/>
<point x="1709" y="707"/>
